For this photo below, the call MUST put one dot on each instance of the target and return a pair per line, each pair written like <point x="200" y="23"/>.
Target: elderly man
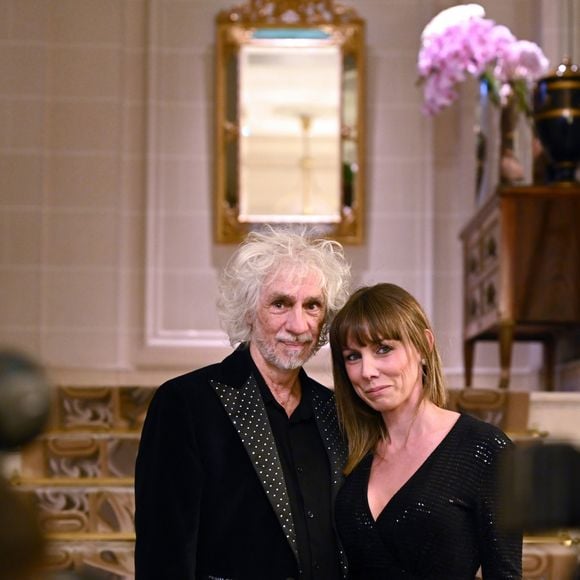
<point x="239" y="462"/>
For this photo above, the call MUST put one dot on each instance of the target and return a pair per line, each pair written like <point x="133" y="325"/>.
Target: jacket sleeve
<point x="501" y="550"/>
<point x="168" y="489"/>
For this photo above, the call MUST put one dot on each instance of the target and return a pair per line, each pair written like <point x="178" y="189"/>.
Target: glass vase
<point x="511" y="170"/>
<point x="485" y="130"/>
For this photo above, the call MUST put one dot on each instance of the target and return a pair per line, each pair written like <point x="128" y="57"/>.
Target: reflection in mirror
<point x="289" y="138"/>
<point x="290" y="134"/>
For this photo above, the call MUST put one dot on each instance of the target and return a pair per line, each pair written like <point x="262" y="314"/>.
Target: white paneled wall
<point x="107" y="258"/>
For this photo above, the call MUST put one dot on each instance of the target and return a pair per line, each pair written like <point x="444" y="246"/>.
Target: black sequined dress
<point x="442" y="524"/>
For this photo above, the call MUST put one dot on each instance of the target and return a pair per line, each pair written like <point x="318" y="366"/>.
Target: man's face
<point x="289" y="319"/>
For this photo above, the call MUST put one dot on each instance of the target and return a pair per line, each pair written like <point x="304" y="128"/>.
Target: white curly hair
<point x="265" y="253"/>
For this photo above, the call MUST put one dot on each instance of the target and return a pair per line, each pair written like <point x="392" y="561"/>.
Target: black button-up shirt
<point x="307" y="474"/>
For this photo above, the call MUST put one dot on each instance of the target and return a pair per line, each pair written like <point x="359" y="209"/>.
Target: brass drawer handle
<point x="491" y="248"/>
<point x="490" y="294"/>
<point x="473" y="308"/>
<point x="473" y="265"/>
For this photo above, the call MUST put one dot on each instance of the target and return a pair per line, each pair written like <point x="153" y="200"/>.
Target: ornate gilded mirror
<point x="289" y="118"/>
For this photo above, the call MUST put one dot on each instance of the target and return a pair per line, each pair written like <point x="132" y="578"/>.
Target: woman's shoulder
<point x="481" y="433"/>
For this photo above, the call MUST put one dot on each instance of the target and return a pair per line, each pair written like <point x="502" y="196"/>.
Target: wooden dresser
<point x="522" y="273"/>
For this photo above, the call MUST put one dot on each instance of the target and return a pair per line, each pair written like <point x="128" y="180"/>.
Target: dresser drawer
<point x="482" y="250"/>
<point x="482" y="303"/>
<point x="489" y="246"/>
<point x="490" y="287"/>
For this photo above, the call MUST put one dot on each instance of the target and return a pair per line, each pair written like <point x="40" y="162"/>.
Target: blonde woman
<point x="420" y="499"/>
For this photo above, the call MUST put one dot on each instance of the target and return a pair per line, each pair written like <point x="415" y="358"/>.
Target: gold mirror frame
<point x="236" y="28"/>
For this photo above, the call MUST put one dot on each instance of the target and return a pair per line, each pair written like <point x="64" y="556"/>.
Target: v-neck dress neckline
<point x="409" y="482"/>
<point x="441" y="523"/>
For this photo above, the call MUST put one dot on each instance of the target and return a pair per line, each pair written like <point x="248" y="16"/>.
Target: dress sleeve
<point x="168" y="488"/>
<point x="501" y="550"/>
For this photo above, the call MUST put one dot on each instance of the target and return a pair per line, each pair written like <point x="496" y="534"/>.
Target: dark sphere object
<point x="24" y="400"/>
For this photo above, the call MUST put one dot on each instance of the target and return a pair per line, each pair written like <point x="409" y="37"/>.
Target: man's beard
<point x="291" y="361"/>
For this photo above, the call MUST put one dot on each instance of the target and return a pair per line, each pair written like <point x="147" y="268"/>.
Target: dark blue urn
<point x="557" y="120"/>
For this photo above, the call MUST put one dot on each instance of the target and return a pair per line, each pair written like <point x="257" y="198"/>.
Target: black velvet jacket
<point x="209" y="488"/>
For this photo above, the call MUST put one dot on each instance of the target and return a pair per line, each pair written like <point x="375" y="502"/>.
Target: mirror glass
<point x="290" y="134"/>
<point x="289" y="121"/>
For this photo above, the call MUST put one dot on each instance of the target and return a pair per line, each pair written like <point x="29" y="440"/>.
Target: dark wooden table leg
<point x="506" y="339"/>
<point x="468" y="356"/>
<point x="549" y="362"/>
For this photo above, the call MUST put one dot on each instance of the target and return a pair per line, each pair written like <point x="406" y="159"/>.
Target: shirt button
<point x="309" y="514"/>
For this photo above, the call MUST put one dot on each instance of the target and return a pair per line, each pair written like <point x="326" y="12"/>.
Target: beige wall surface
<point x="107" y="259"/>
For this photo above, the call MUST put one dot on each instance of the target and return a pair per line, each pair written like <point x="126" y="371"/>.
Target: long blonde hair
<point x="372" y="314"/>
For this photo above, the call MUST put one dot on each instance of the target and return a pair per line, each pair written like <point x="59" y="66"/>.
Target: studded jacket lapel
<point x="327" y="421"/>
<point x="245" y="407"/>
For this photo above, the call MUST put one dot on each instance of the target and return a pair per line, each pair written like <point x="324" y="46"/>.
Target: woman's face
<point x="385" y="376"/>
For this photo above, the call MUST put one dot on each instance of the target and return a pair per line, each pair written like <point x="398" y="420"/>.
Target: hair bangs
<point x="368" y="321"/>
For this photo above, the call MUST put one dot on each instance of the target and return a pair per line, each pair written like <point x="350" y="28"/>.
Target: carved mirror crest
<point x="289" y="118"/>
